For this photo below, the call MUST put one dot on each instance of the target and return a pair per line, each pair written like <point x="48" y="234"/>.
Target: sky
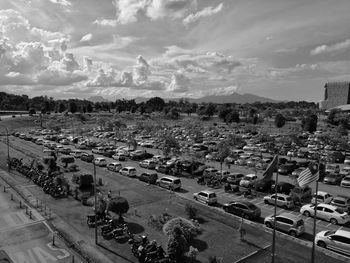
<point x="279" y="49"/>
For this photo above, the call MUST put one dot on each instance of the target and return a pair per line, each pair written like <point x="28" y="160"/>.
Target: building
<point x="335" y="94"/>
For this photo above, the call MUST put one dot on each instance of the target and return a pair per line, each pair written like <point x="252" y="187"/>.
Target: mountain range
<point x="230" y="98"/>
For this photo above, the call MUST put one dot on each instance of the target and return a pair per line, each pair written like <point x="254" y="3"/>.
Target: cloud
<point x="105" y="22"/>
<point x="137" y="79"/>
<point x="61" y="2"/>
<point x="170" y="8"/>
<point x="57" y="77"/>
<point x="207" y="11"/>
<point x="331" y="48"/>
<point x="127" y="10"/>
<point x="88" y="63"/>
<point x="179" y="82"/>
<point x="86" y="38"/>
<point x="225" y="90"/>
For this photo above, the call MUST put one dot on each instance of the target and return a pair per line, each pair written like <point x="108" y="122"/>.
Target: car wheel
<point x="268" y="224"/>
<point x="195" y="198"/>
<point x="334" y="221"/>
<point x="307" y="213"/>
<point x="266" y="202"/>
<point x="293" y="233"/>
<point x="321" y="244"/>
<point x="285" y="207"/>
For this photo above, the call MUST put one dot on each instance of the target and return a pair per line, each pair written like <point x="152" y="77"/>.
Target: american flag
<point x="309" y="175"/>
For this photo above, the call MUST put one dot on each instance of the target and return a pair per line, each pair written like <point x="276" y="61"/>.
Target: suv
<point x="283" y="200"/>
<point x="338" y="240"/>
<point x="150" y="178"/>
<point x="128" y="171"/>
<point x="234" y="178"/>
<point x="114" y="167"/>
<point x="100" y="161"/>
<point x="170" y="182"/>
<point x="248" y="180"/>
<point x="341" y="201"/>
<point x="149" y="164"/>
<point x="205" y="196"/>
<point x="87" y="157"/>
<point x="300" y="194"/>
<point x="292" y="224"/>
<point x="322" y="197"/>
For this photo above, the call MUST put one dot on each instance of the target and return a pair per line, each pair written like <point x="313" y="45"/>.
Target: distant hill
<point x="231" y="98"/>
<point x="95" y="99"/>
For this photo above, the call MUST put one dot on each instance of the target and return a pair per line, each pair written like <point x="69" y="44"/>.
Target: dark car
<point x="283" y="188"/>
<point x="244" y="209"/>
<point x="150" y="178"/>
<point x="163" y="168"/>
<point x="4" y="257"/>
<point x="263" y="185"/>
<point x="303" y="163"/>
<point x="87" y="157"/>
<point x="108" y="153"/>
<point x="333" y="178"/>
<point x="286" y="169"/>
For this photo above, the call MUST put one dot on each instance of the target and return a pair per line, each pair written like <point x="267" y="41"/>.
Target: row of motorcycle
<point x="144" y="250"/>
<point x="51" y="184"/>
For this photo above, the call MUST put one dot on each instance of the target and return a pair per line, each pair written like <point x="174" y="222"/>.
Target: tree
<point x="61" y="108"/>
<point x="223" y="152"/>
<point x="210" y="109"/>
<point x="232" y="116"/>
<point x="309" y="123"/>
<point x="187" y="228"/>
<point x="89" y="108"/>
<point x="101" y="205"/>
<point x="73" y="107"/>
<point x="177" y="245"/>
<point x="280" y="120"/>
<point x="170" y="145"/>
<point x="155" y="104"/>
<point x="66" y="160"/>
<point x="31" y="111"/>
<point x="118" y="205"/>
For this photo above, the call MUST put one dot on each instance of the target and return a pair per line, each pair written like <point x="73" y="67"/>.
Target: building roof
<point x="345" y="107"/>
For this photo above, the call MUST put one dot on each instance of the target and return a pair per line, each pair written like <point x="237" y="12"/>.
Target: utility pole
<point x="8" y="147"/>
<point x="96" y="241"/>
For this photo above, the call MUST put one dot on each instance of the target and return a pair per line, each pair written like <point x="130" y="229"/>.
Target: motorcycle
<point x="230" y="188"/>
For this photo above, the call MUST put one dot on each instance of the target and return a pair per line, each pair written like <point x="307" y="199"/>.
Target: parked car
<point x="206" y="196"/>
<point x="333" y="178"/>
<point x="76" y="153"/>
<point x="326" y="212"/>
<point x="342" y="201"/>
<point x="149" y="164"/>
<point x="150" y="178"/>
<point x="283" y="200"/>
<point x="286" y="169"/>
<point x="114" y="166"/>
<point x="283" y="188"/>
<point x="297" y="172"/>
<point x="234" y="178"/>
<point x="345" y="171"/>
<point x="100" y="161"/>
<point x="332" y="168"/>
<point x="163" y="168"/>
<point x="286" y="222"/>
<point x="248" y="180"/>
<point x="337" y="240"/>
<point x="322" y="197"/>
<point x="98" y="150"/>
<point x="128" y="171"/>
<point x="243" y="209"/>
<point x="169" y="182"/>
<point x="119" y="157"/>
<point x="345" y="182"/>
<point x="263" y="185"/>
<point x="87" y="157"/>
<point x="65" y="150"/>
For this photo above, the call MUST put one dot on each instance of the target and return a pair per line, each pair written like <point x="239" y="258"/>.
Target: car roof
<point x="247" y="203"/>
<point x="341" y="197"/>
<point x="207" y="192"/>
<point x="283" y="195"/>
<point x="290" y="216"/>
<point x="129" y="167"/>
<point x="342" y="233"/>
<point x="170" y="177"/>
<point x="250" y="175"/>
<point x="322" y="193"/>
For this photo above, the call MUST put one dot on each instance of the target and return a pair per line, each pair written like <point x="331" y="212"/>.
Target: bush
<point x="157" y="222"/>
<point x="191" y="211"/>
<point x="188" y="228"/>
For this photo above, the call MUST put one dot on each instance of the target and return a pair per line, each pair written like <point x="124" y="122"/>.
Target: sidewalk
<point x="87" y="249"/>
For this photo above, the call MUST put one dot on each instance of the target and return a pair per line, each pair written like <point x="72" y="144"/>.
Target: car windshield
<point x="329" y="232"/>
<point x="252" y="206"/>
<point x="331" y="176"/>
<point x="339" y="202"/>
<point x="300" y="222"/>
<point x="340" y="211"/>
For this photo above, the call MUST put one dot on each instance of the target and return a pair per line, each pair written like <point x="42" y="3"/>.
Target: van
<point x="169" y="182"/>
<point x="100" y="161"/>
<point x="337" y="240"/>
<point x="76" y="153"/>
<point x="286" y="222"/>
<point x="128" y="171"/>
<point x="248" y="180"/>
<point x="207" y="197"/>
<point x="114" y="167"/>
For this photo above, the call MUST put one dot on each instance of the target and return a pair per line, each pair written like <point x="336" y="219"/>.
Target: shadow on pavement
<point x="135" y="228"/>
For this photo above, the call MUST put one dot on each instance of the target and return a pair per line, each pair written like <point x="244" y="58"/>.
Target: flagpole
<point x="315" y="215"/>
<point x="274" y="217"/>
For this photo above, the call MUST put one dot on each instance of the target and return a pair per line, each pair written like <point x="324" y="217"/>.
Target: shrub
<point x="192" y="253"/>
<point x="157" y="222"/>
<point x="191" y="211"/>
<point x="188" y="228"/>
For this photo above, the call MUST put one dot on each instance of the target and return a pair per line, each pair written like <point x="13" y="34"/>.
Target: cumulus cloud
<point x="207" y="11"/>
<point x="137" y="79"/>
<point x="88" y="63"/>
<point x="61" y="2"/>
<point x="127" y="10"/>
<point x="86" y="38"/>
<point x="179" y="82"/>
<point x="331" y="48"/>
<point x="105" y="22"/>
<point x="225" y="90"/>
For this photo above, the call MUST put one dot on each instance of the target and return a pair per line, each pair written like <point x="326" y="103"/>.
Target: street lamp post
<point x="8" y="147"/>
<point x="96" y="241"/>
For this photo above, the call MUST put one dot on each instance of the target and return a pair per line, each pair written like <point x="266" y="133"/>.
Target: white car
<point x="248" y="180"/>
<point x="322" y="197"/>
<point x="283" y="200"/>
<point x="326" y="212"/>
<point x="337" y="240"/>
<point x="345" y="182"/>
<point x="205" y="196"/>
